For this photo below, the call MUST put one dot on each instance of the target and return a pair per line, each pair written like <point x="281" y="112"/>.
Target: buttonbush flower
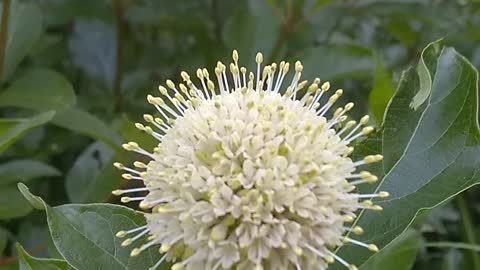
<point x="249" y="174"/>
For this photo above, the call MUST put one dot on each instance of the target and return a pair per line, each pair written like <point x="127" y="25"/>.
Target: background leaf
<point x="24" y="170"/>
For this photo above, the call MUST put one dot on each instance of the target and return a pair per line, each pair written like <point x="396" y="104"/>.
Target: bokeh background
<point x="75" y="74"/>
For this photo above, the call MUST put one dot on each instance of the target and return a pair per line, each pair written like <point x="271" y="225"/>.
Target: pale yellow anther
<point x="218" y="71"/>
<point x="309" y="100"/>
<point x="117" y="192"/>
<point x="357" y="230"/>
<point x="121" y="234"/>
<point x="177" y="266"/>
<point x="349" y="106"/>
<point x="143" y="205"/>
<point x="350" y="124"/>
<point x="372" y="158"/>
<point x="183" y="88"/>
<point x="127" y="176"/>
<point x="185" y="76"/>
<point x="148" y="130"/>
<point x="367" y="203"/>
<point x="298" y="251"/>
<point x="139" y="164"/>
<point x="352" y="267"/>
<point x="373" y="248"/>
<point x="329" y="259"/>
<point x="326" y="86"/>
<point x="377" y="208"/>
<point x="258" y="267"/>
<point x="205" y="73"/>
<point x="339" y="92"/>
<point x="235" y="55"/>
<point x="364" y="120"/>
<point x="119" y="165"/>
<point x="127" y="242"/>
<point x="125" y="199"/>
<point x="148" y="118"/>
<point x="312" y="88"/>
<point x="139" y="126"/>
<point x="165" y="248"/>
<point x="283" y="245"/>
<point x="301" y="85"/>
<point x="316" y="81"/>
<point x="337" y="111"/>
<point x="135" y="252"/>
<point x="298" y="67"/>
<point x="200" y="74"/>
<point x="383" y="194"/>
<point x="259" y="58"/>
<point x="333" y="98"/>
<point x="170" y="84"/>
<point x="286" y="67"/>
<point x="342" y="118"/>
<point x="349" y="151"/>
<point x="211" y="86"/>
<point x="367" y="130"/>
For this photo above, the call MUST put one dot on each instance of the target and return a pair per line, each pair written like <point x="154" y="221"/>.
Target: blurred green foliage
<point x="75" y="73"/>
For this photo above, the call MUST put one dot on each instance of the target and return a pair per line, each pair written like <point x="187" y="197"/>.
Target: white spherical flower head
<point x="248" y="174"/>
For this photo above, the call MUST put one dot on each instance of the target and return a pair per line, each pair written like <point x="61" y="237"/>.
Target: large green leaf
<point x="432" y="152"/>
<point x="39" y="89"/>
<point x="24" y="170"/>
<point x="27" y="262"/>
<point x="12" y="129"/>
<point x="24" y="29"/>
<point x="400" y="255"/>
<point x="85" y="234"/>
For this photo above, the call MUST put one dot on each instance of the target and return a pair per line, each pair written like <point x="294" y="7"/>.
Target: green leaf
<point x="35" y="201"/>
<point x="382" y="90"/>
<point x="25" y="170"/>
<point x="12" y="129"/>
<point x="12" y="203"/>
<point x="83" y="178"/>
<point x="431" y="153"/>
<point x="398" y="255"/>
<point x="337" y="61"/>
<point x="39" y="89"/>
<point x="87" y="124"/>
<point x="85" y="235"/>
<point x="28" y="262"/>
<point x="253" y="28"/>
<point x="24" y="29"/>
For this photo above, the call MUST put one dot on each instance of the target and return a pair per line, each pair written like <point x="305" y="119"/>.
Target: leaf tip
<point x="35" y="201"/>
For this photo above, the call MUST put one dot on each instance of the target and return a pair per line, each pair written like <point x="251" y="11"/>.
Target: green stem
<point x="468" y="229"/>
<point x="117" y="83"/>
<point x="4" y="35"/>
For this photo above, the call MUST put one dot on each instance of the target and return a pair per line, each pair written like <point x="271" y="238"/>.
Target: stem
<point x="468" y="229"/>
<point x="4" y="35"/>
<point x="117" y="83"/>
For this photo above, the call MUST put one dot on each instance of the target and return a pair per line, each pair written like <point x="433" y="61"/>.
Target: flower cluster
<point x="249" y="174"/>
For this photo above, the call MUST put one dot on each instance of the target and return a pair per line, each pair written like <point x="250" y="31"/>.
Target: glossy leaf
<point x="13" y="129"/>
<point x="27" y="262"/>
<point x="24" y="29"/>
<point x="39" y="89"/>
<point x="431" y="153"/>
<point x="25" y="170"/>
<point x="85" y="235"/>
